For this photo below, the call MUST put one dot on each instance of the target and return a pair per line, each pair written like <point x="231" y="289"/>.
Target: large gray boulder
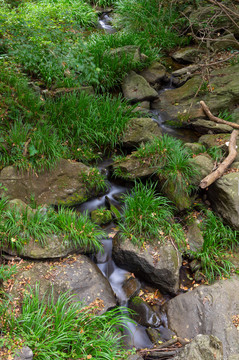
<point x="61" y="185"/>
<point x="157" y="264"/>
<point x="205" y="126"/>
<point x="140" y="130"/>
<point x="78" y="275"/>
<point x="202" y="347"/>
<point x="208" y="310"/>
<point x="224" y="197"/>
<point x="187" y="55"/>
<point x="136" y="88"/>
<point x="154" y="74"/>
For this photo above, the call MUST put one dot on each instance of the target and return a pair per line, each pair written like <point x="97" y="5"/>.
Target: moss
<point x="101" y="216"/>
<point x="137" y="300"/>
<point x="75" y="199"/>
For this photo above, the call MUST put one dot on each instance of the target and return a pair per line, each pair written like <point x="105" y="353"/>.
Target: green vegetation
<point x="19" y="226"/>
<point x="95" y="181"/>
<point x="63" y="328"/>
<point x="219" y="240"/>
<point x="172" y="160"/>
<point x="148" y="216"/>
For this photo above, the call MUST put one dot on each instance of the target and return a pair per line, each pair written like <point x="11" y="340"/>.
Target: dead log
<point x="209" y="179"/>
<point x="216" y="119"/>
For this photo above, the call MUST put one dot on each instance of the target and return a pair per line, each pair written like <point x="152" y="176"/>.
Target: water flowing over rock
<point x="203" y="347"/>
<point x="78" y="275"/>
<point x="156" y="264"/>
<point x="136" y="88"/>
<point x="208" y="310"/>
<point x="60" y="185"/>
<point x="140" y="130"/>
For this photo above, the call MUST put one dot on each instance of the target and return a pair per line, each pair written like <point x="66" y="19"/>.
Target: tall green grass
<point x="61" y="328"/>
<point x="148" y="217"/>
<point x="219" y="240"/>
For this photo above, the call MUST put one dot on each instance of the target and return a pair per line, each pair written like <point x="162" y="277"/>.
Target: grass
<point x="172" y="160"/>
<point x="148" y="216"/>
<point x="219" y="240"/>
<point x="18" y="227"/>
<point x="95" y="181"/>
<point x="63" y="328"/>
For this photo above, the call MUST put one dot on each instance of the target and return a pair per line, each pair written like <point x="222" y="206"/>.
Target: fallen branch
<point x="209" y="179"/>
<point x="216" y="119"/>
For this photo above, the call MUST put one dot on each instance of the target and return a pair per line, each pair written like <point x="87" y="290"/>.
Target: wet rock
<point x="157" y="264"/>
<point x="24" y="354"/>
<point x="182" y="106"/>
<point x="194" y="235"/>
<point x="62" y="185"/>
<point x="78" y="275"/>
<point x="205" y="126"/>
<point x="144" y="314"/>
<point x="101" y="216"/>
<point x="154" y="74"/>
<point x="131" y="287"/>
<point x="187" y="55"/>
<point x="202" y="347"/>
<point x="154" y="335"/>
<point x="114" y="209"/>
<point x="207" y="310"/>
<point x="224" y="197"/>
<point x="140" y="130"/>
<point x="136" y="88"/>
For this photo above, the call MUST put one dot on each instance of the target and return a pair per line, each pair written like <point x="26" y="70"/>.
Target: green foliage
<point x="172" y="160"/>
<point x="148" y="216"/>
<point x="216" y="153"/>
<point x="225" y="115"/>
<point x="6" y="272"/>
<point x="19" y="226"/>
<point x="102" y="3"/>
<point x="91" y="125"/>
<point x="95" y="181"/>
<point x="218" y="241"/>
<point x="150" y="20"/>
<point x="62" y="328"/>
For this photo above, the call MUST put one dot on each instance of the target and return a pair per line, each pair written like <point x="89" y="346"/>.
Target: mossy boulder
<point x="140" y="130"/>
<point x="204" y="165"/>
<point x="154" y="74"/>
<point x="206" y="126"/>
<point x="61" y="185"/>
<point x="101" y="216"/>
<point x="136" y="88"/>
<point x="188" y="55"/>
<point x="144" y="314"/>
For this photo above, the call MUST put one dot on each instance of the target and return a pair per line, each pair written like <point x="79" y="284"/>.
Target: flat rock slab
<point x="78" y="275"/>
<point x="208" y="310"/>
<point x="187" y="55"/>
<point x="136" y="88"/>
<point x="205" y="126"/>
<point x="156" y="264"/>
<point x="60" y="185"/>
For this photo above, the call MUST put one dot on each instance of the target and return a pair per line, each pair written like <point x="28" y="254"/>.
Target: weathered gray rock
<point x="187" y="55"/>
<point x="196" y="148"/>
<point x="187" y="70"/>
<point x="224" y="197"/>
<point x="202" y="347"/>
<point x="140" y="130"/>
<point x="208" y="310"/>
<point x="62" y="185"/>
<point x="181" y="104"/>
<point x="24" y="354"/>
<point x="132" y="51"/>
<point x="205" y="126"/>
<point x="78" y="275"/>
<point x="225" y="42"/>
<point x="144" y="314"/>
<point x="136" y="88"/>
<point x="154" y="74"/>
<point x="194" y="235"/>
<point x="156" y="264"/>
<point x="204" y="165"/>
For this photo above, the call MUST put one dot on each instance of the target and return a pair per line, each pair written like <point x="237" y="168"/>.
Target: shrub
<point x="219" y="239"/>
<point x="148" y="216"/>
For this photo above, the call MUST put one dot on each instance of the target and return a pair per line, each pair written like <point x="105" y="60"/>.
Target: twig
<point x="216" y="119"/>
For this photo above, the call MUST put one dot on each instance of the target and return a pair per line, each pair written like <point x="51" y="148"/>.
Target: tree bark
<point x="209" y="179"/>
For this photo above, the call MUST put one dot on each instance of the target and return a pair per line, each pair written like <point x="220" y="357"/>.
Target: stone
<point x="76" y="274"/>
<point x="208" y="310"/>
<point x="131" y="287"/>
<point x="194" y="235"/>
<point x="196" y="148"/>
<point x="62" y="185"/>
<point x="202" y="347"/>
<point x="24" y="354"/>
<point x="140" y="130"/>
<point x="143" y="313"/>
<point x="206" y="126"/>
<point x="204" y="165"/>
<point x="101" y="216"/>
<point x="155" y="263"/>
<point x="224" y="197"/>
<point x="125" y="51"/>
<point x="187" y="55"/>
<point x="225" y="42"/>
<point x="135" y="88"/>
<point x="180" y="76"/>
<point x="154" y="74"/>
<point x="63" y="91"/>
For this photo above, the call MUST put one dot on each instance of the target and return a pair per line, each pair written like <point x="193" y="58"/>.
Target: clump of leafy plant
<point x="219" y="240"/>
<point x="172" y="160"/>
<point x="62" y="328"/>
<point x="148" y="216"/>
<point x="19" y="226"/>
<point x="95" y="181"/>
